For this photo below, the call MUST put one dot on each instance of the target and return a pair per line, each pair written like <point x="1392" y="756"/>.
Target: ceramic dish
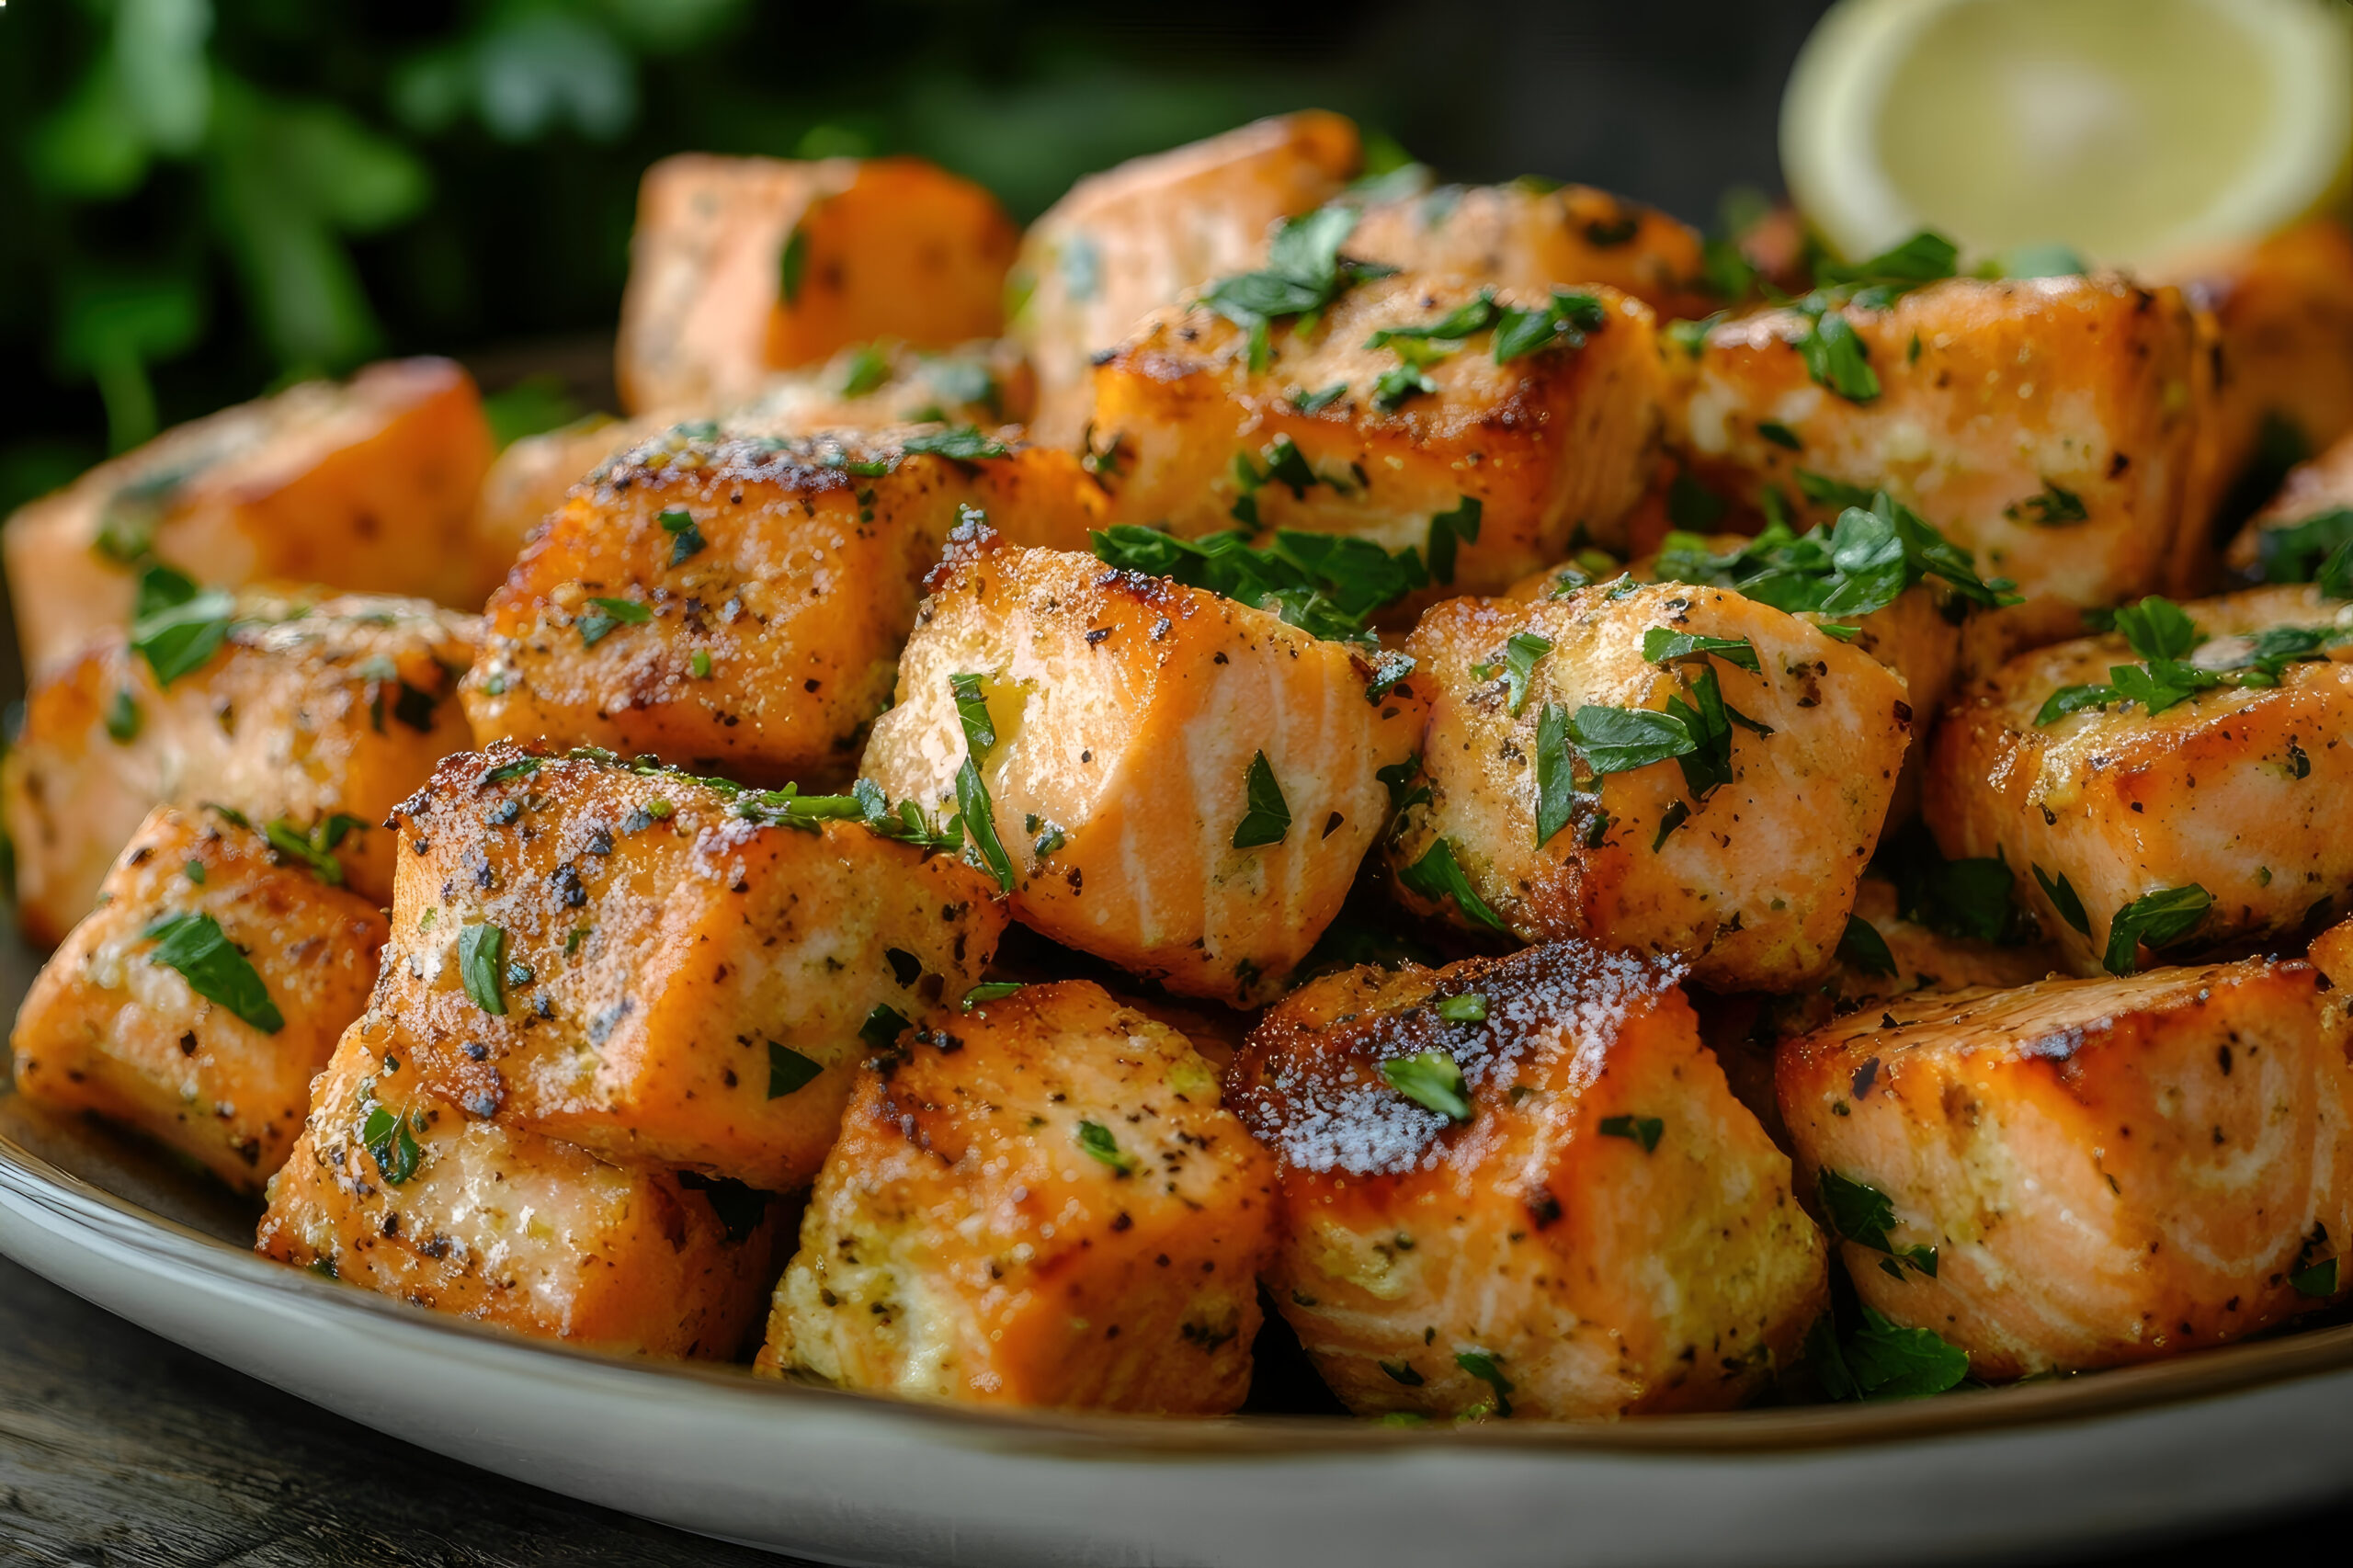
<point x="2249" y="1430"/>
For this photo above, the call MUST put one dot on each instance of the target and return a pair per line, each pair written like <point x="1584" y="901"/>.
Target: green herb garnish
<point x="1432" y="1080"/>
<point x="1268" y="817"/>
<point x="214" y="968"/>
<point x="2160" y="920"/>
<point x="789" y="1071"/>
<point x="1096" y="1139"/>
<point x="1437" y="876"/>
<point x="1863" y="1215"/>
<point x="482" y="967"/>
<point x="686" y="539"/>
<point x="1644" y="1130"/>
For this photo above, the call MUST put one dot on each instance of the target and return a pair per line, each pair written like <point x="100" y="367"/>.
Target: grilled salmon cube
<point x="2227" y="806"/>
<point x="869" y="387"/>
<point x="2044" y="424"/>
<point x="1180" y="784"/>
<point x="367" y="485"/>
<point x="1039" y="1201"/>
<point x="657" y="968"/>
<point x="1128" y="241"/>
<point x="196" y="1001"/>
<point x="2296" y="532"/>
<point x="1524" y="235"/>
<point x="741" y="266"/>
<point x="391" y="1189"/>
<point x="1750" y="880"/>
<point x="1521" y="1185"/>
<point x="2277" y="320"/>
<point x="313" y="717"/>
<point x="2084" y="1172"/>
<point x="735" y="602"/>
<point x="1518" y="458"/>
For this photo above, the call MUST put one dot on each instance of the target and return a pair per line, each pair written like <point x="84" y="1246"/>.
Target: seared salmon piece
<point x="2045" y="424"/>
<point x="659" y="969"/>
<point x="313" y="719"/>
<point x="2084" y="1172"/>
<point x="2308" y="521"/>
<point x="1509" y="461"/>
<point x="1036" y="1201"/>
<point x="735" y="602"/>
<point x="1737" y="846"/>
<point x="2276" y="318"/>
<point x="1126" y="242"/>
<point x="392" y="1190"/>
<point x="1525" y="236"/>
<point x="1520" y="1187"/>
<point x="1180" y="784"/>
<point x="368" y="484"/>
<point x="741" y="266"/>
<point x="2220" y="818"/>
<point x="196" y="1001"/>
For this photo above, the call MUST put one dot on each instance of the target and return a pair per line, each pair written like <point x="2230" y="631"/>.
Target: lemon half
<point x="2130" y="132"/>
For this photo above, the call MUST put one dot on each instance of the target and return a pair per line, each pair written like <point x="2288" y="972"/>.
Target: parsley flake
<point x="1438" y="876"/>
<point x="789" y="1071"/>
<point x="1268" y="818"/>
<point x="686" y="539"/>
<point x="1863" y="1215"/>
<point x="1644" y="1130"/>
<point x="1098" y="1140"/>
<point x="2156" y="920"/>
<point x="482" y="967"/>
<point x="214" y="968"/>
<point x="1432" y="1080"/>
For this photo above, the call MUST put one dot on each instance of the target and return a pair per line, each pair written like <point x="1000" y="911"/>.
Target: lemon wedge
<point x="2130" y="131"/>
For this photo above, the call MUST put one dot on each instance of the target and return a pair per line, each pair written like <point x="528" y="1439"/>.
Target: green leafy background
<point x="209" y="197"/>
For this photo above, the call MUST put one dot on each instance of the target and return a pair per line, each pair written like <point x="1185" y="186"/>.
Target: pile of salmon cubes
<point x="1438" y="777"/>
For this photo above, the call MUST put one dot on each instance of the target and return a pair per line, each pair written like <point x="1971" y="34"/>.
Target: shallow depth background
<point x="206" y="198"/>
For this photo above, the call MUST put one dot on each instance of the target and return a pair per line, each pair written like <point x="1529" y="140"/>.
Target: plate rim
<point x="2191" y="1377"/>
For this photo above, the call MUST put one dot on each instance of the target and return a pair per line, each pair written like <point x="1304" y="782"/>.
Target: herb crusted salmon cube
<point x="2045" y="424"/>
<point x="2178" y="781"/>
<point x="310" y="715"/>
<point x="393" y="1189"/>
<point x="1520" y="1187"/>
<point x="1037" y="1199"/>
<point x="735" y="602"/>
<point x="367" y="485"/>
<point x="1159" y="775"/>
<point x="1484" y="427"/>
<point x="1531" y="234"/>
<point x="741" y="266"/>
<point x="1125" y="241"/>
<point x="659" y="969"/>
<point x="1664" y="769"/>
<point x="2084" y="1172"/>
<point x="195" y="1002"/>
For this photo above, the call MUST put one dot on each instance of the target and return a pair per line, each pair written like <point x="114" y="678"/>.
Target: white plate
<point x="2240" y="1431"/>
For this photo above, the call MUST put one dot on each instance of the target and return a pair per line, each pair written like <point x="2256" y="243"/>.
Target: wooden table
<point x="117" y="1449"/>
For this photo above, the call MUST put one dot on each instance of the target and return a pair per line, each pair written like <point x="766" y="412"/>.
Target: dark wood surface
<point x="121" y="1450"/>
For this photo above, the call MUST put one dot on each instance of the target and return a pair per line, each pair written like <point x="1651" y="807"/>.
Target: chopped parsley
<point x="2317" y="1280"/>
<point x="1480" y="1364"/>
<point x="793" y="265"/>
<point x="1329" y="585"/>
<point x="314" y="846"/>
<point x="2056" y="507"/>
<point x="789" y="1071"/>
<point x="214" y="968"/>
<point x="1096" y="1139"/>
<point x="1432" y="1080"/>
<point x="1833" y="353"/>
<point x="883" y="1027"/>
<point x="1464" y="320"/>
<point x="482" y="967"/>
<point x="1860" y="562"/>
<point x="2064" y="899"/>
<point x="1882" y="1359"/>
<point x="1468" y="1007"/>
<point x="963" y="443"/>
<point x="175" y="628"/>
<point x="122" y="719"/>
<point x="686" y="539"/>
<point x="1447" y="527"/>
<point x="609" y="613"/>
<point x="1779" y="435"/>
<point x="2307" y="550"/>
<point x="1662" y="645"/>
<point x="1864" y="1215"/>
<point x="1561" y="323"/>
<point x="1557" y="789"/>
<point x="1304" y="273"/>
<point x="1267" y="816"/>
<point x="1644" y="1130"/>
<point x="1438" y="876"/>
<point x="972" y="803"/>
<point x="2162" y="633"/>
<point x="1521" y="654"/>
<point x="389" y="1142"/>
<point x="1317" y="401"/>
<point x="1861" y="946"/>
<point x="988" y="991"/>
<point x="869" y="368"/>
<point x="2158" y="920"/>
